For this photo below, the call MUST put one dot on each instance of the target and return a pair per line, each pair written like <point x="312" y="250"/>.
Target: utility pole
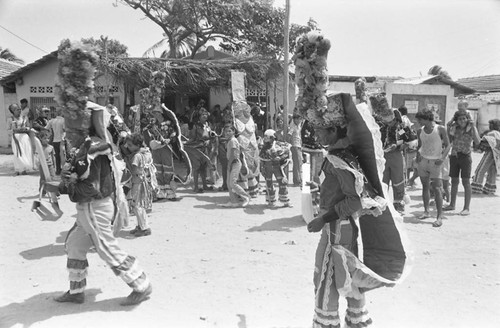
<point x="286" y="81"/>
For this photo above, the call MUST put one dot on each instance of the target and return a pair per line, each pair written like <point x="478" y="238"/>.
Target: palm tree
<point x="7" y="55"/>
<point x="182" y="49"/>
<point x="438" y="70"/>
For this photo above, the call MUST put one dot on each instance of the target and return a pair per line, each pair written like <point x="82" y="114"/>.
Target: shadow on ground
<point x="50" y="250"/>
<point x="41" y="307"/>
<point x="281" y="224"/>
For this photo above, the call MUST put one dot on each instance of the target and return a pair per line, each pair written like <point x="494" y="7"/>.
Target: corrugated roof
<point x="7" y="67"/>
<point x="20" y="71"/>
<point x="459" y="88"/>
<point x="416" y="80"/>
<point x="487" y="83"/>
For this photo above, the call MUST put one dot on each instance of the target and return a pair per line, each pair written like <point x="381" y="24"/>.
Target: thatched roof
<point x="188" y="75"/>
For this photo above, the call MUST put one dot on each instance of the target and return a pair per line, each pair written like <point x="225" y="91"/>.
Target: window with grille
<point x="41" y="89"/>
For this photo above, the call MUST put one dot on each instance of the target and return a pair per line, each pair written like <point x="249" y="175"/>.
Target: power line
<point x="17" y="36"/>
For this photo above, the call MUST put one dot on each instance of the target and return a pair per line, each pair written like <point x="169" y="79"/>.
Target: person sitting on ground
<point x="463" y="133"/>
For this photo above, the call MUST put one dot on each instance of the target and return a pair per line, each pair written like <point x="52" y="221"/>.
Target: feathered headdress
<point x="75" y="82"/>
<point x="311" y="77"/>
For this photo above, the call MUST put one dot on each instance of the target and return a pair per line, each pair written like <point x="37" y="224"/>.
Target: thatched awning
<point x="187" y="75"/>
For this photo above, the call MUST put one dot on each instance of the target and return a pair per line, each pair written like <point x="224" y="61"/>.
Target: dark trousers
<point x="57" y="154"/>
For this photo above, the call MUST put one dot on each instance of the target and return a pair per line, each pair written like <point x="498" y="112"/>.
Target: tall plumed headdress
<point x="311" y="77"/>
<point x="75" y="82"/>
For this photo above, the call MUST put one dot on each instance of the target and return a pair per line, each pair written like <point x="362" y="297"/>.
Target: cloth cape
<point x="383" y="258"/>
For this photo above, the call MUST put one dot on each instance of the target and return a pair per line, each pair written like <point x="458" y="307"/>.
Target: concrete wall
<point x="425" y="94"/>
<point x="6" y="100"/>
<point x="40" y="82"/>
<point x="488" y="112"/>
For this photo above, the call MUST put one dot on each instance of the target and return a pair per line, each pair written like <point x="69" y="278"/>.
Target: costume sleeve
<point x="351" y="202"/>
<point x="85" y="190"/>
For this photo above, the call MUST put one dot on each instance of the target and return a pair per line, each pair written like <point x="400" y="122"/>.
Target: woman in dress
<point x="21" y="143"/>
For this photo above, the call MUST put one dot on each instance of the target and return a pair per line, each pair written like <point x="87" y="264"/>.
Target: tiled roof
<point x="16" y="73"/>
<point x="488" y="83"/>
<point x="7" y="67"/>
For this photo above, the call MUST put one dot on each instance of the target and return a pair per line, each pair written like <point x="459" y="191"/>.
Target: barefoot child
<point x="234" y="168"/>
<point x="141" y="192"/>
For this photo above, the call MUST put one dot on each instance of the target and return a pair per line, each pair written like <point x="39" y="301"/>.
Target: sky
<point x="369" y="37"/>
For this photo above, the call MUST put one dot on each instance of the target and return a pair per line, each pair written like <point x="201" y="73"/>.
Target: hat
<point x="45" y="109"/>
<point x="270" y="133"/>
<point x="381" y="107"/>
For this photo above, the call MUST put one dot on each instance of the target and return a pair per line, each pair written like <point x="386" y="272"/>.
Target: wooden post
<point x="286" y="81"/>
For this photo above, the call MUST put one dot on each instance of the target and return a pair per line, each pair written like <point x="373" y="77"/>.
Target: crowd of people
<point x="205" y="148"/>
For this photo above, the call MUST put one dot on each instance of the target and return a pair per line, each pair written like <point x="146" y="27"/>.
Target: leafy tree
<point x="438" y="70"/>
<point x="105" y="46"/>
<point x="241" y="26"/>
<point x="7" y="55"/>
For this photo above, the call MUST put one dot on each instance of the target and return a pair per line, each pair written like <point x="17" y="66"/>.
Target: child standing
<point x="49" y="153"/>
<point x="274" y="156"/>
<point x="141" y="192"/>
<point x="234" y="167"/>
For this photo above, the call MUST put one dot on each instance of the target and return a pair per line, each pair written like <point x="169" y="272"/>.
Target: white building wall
<point x="7" y="99"/>
<point x="425" y="89"/>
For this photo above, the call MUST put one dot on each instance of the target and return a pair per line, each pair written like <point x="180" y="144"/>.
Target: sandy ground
<point x="241" y="268"/>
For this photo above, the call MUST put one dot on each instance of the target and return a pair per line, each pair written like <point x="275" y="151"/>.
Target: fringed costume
<point x="91" y="178"/>
<point x="489" y="164"/>
<point x="360" y="247"/>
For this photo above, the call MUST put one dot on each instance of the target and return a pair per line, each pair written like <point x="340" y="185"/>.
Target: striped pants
<point x="93" y="228"/>
<point x="488" y="168"/>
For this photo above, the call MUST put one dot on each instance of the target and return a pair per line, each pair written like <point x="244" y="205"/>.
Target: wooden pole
<point x="286" y="78"/>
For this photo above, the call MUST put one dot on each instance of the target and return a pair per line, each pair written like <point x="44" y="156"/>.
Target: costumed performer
<point x="274" y="157"/>
<point x="245" y="126"/>
<point x="394" y="137"/>
<point x="352" y="209"/>
<point x="91" y="179"/>
<point x="490" y="162"/>
<point x="201" y="147"/>
<point x="164" y="138"/>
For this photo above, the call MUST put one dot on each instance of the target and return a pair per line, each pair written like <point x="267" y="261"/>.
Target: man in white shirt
<point x="56" y="125"/>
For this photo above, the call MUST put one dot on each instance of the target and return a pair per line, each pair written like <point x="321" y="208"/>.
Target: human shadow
<point x="42" y="307"/>
<point x="51" y="250"/>
<point x="281" y="224"/>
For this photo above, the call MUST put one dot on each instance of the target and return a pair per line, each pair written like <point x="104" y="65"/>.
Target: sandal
<point x="437" y="223"/>
<point x="465" y="213"/>
<point x="449" y="208"/>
